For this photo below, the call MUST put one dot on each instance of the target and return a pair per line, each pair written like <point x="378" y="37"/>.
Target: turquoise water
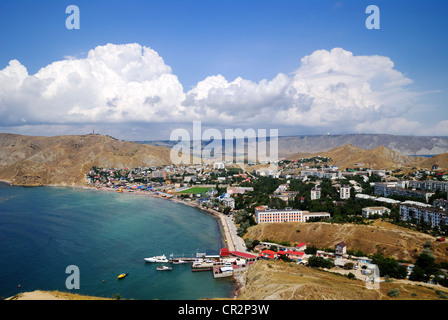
<point x="43" y="230"/>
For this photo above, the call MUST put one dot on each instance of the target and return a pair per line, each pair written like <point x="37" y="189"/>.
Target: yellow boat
<point x="121" y="276"/>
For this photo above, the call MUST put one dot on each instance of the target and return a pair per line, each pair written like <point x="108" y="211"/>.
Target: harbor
<point x="223" y="265"/>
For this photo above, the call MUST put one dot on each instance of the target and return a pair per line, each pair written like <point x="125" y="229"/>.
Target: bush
<point x="351" y="276"/>
<point x="393" y="293"/>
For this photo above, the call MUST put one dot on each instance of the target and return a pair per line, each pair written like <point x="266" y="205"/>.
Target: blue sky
<point x="253" y="40"/>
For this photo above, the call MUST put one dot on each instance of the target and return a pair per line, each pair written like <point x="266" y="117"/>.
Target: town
<point x="302" y="191"/>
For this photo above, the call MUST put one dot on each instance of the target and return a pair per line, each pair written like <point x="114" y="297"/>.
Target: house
<point x="268" y="254"/>
<point x="294" y="255"/>
<point x="301" y="246"/>
<point x="340" y="248"/>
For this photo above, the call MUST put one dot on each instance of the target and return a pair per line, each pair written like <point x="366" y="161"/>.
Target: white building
<point x="315" y="193"/>
<point x="218" y="165"/>
<point x="433" y="216"/>
<point x="264" y="214"/>
<point x="229" y="202"/>
<point x="344" y="192"/>
<point x="368" y="211"/>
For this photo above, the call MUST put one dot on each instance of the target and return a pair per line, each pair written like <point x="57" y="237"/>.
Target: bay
<point x="45" y="229"/>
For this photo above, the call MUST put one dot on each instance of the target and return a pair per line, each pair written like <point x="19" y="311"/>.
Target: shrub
<point x="393" y="293"/>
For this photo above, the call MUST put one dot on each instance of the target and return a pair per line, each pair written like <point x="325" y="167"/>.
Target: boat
<point x="159" y="259"/>
<point x="121" y="276"/>
<point x="164" y="268"/>
<point x="178" y="261"/>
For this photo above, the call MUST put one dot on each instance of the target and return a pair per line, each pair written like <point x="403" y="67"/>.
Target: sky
<point x="139" y="69"/>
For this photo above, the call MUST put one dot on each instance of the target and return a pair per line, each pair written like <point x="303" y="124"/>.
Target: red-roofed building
<point x="301" y="246"/>
<point x="268" y="254"/>
<point x="294" y="255"/>
<point x="244" y="255"/>
<point x="224" y="252"/>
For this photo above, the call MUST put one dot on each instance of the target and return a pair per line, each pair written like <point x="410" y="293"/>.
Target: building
<point x="434" y="216"/>
<point x="368" y="211"/>
<point x="301" y="246"/>
<point x="306" y="215"/>
<point x="218" y="165"/>
<point x="238" y="190"/>
<point x="344" y="192"/>
<point x="429" y="185"/>
<point x="228" y="202"/>
<point x="388" y="189"/>
<point x="286" y="196"/>
<point x="315" y="193"/>
<point x="264" y="214"/>
<point x="340" y="248"/>
<point x="268" y="254"/>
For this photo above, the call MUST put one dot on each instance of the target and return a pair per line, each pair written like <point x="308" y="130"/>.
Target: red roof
<point x="268" y="253"/>
<point x="224" y="252"/>
<point x="296" y="253"/>
<point x="302" y="244"/>
<point x="243" y="255"/>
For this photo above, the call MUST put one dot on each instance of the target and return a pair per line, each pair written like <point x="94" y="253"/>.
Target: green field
<point x="195" y="190"/>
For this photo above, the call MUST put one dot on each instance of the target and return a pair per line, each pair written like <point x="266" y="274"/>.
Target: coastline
<point x="224" y="228"/>
<point x="220" y="218"/>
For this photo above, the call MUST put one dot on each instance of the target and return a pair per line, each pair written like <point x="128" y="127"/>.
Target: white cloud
<point x="129" y="83"/>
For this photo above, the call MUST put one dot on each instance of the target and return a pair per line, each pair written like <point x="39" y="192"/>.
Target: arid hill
<point x="276" y="280"/>
<point x="64" y="160"/>
<point x="397" y="242"/>
<point x="441" y="160"/>
<point x="349" y="156"/>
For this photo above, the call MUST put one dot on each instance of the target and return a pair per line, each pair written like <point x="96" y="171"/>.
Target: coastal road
<point x="238" y="242"/>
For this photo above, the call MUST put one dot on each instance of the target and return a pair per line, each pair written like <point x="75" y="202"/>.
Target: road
<point x="238" y="242"/>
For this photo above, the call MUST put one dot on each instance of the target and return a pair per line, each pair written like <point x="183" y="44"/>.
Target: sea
<point x="44" y="230"/>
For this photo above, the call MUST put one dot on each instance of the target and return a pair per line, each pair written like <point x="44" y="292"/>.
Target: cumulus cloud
<point x="131" y="83"/>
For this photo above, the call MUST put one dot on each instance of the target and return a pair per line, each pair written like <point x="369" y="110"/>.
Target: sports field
<point x="196" y="190"/>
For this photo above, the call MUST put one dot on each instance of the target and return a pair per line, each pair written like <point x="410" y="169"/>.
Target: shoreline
<point x="226" y="237"/>
<point x="222" y="223"/>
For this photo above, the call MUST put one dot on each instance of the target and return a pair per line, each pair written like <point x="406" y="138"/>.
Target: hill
<point x="64" y="160"/>
<point x="349" y="156"/>
<point x="407" y="145"/>
<point x="276" y="280"/>
<point x="397" y="242"/>
<point x="441" y="160"/>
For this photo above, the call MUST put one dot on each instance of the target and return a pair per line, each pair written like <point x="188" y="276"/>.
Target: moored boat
<point x="164" y="268"/>
<point x="157" y="259"/>
<point x="178" y="261"/>
<point x="122" y="275"/>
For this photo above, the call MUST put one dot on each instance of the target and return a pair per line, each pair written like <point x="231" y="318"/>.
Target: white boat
<point x="178" y="261"/>
<point x="157" y="259"/>
<point x="164" y="268"/>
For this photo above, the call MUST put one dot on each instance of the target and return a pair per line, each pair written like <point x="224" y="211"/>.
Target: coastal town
<point x="299" y="191"/>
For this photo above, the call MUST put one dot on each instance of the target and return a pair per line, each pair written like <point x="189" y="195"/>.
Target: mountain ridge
<point x="64" y="160"/>
<point x="349" y="156"/>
